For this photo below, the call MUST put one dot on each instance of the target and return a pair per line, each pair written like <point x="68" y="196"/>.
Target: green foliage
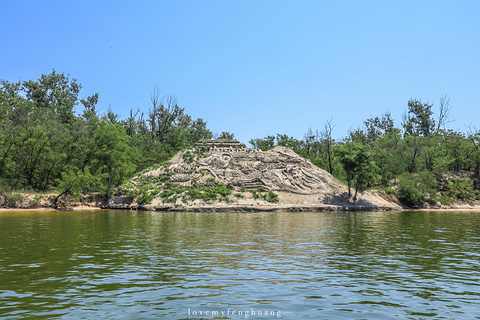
<point x="188" y="156"/>
<point x="415" y="189"/>
<point x="226" y="199"/>
<point x="272" y="197"/>
<point x="264" y="144"/>
<point x="11" y="199"/>
<point x="409" y="193"/>
<point x="358" y="164"/>
<point x="419" y="120"/>
<point x="46" y="146"/>
<point x="190" y="194"/>
<point x="74" y="182"/>
<point x="269" y="196"/>
<point x="201" y="152"/>
<point x="172" y="199"/>
<point x="145" y="198"/>
<point x="226" y="135"/>
<point x="459" y="188"/>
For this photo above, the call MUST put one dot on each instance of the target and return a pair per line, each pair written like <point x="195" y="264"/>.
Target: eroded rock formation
<point x="236" y="166"/>
<point x="230" y="164"/>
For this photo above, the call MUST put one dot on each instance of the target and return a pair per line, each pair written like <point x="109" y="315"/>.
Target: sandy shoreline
<point x="283" y="208"/>
<point x="82" y="208"/>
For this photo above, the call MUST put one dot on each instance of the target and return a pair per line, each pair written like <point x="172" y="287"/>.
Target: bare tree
<point x="155" y="97"/>
<point x="163" y="117"/>
<point x="444" y="112"/>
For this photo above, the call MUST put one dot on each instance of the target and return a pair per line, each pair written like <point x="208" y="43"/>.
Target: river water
<point x="147" y="265"/>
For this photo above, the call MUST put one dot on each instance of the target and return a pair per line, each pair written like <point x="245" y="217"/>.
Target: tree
<point x="226" y="135"/>
<point x="444" y="112"/>
<point x="413" y="149"/>
<point x="474" y="154"/>
<point x="75" y="182"/>
<point x="163" y="117"/>
<point x="327" y="144"/>
<point x="264" y="144"/>
<point x="346" y="157"/>
<point x="287" y="141"/>
<point x="366" y="169"/>
<point x="309" y="140"/>
<point x="89" y="105"/>
<point x="456" y="147"/>
<point x="55" y="91"/>
<point x="388" y="153"/>
<point x="418" y="121"/>
<point x="378" y="127"/>
<point x="358" y="164"/>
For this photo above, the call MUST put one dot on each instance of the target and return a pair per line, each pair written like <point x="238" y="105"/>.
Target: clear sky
<point x="255" y="68"/>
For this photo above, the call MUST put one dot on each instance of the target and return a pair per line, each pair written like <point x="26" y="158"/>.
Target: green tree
<point x="418" y="121"/>
<point x="378" y="127"/>
<point x="327" y="145"/>
<point x="287" y="141"/>
<point x="474" y="154"/>
<point x="75" y="182"/>
<point x="358" y="164"/>
<point x="55" y="91"/>
<point x="264" y="144"/>
<point x="226" y="135"/>
<point x="388" y="153"/>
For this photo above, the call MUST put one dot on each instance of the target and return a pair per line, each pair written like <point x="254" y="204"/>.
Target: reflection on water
<point x="140" y="265"/>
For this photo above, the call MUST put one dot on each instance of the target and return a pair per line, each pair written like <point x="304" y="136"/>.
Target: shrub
<point x="12" y="200"/>
<point x="172" y="199"/>
<point x="409" y="193"/>
<point x="188" y="156"/>
<point x="459" y="188"/>
<point x="145" y="198"/>
<point x="272" y="197"/>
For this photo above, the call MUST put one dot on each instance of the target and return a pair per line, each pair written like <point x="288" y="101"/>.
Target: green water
<point x="141" y="265"/>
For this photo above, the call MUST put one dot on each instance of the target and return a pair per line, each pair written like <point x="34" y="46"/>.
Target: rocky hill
<point x="225" y="174"/>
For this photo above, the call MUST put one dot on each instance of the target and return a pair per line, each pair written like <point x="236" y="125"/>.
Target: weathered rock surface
<point x="297" y="182"/>
<point x="279" y="169"/>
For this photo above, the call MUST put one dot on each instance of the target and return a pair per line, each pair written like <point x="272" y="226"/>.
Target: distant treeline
<point x="419" y="162"/>
<point x="46" y="146"/>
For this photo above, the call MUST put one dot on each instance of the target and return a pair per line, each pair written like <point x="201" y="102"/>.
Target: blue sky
<point x="255" y="68"/>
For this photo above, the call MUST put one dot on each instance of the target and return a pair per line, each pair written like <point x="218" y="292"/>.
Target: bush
<point x="188" y="156"/>
<point x="172" y="199"/>
<point x="459" y="188"/>
<point x="409" y="193"/>
<point x="272" y="197"/>
<point x="145" y="198"/>
<point x="12" y="200"/>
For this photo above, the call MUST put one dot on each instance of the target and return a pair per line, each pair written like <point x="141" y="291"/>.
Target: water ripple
<point x="136" y="265"/>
